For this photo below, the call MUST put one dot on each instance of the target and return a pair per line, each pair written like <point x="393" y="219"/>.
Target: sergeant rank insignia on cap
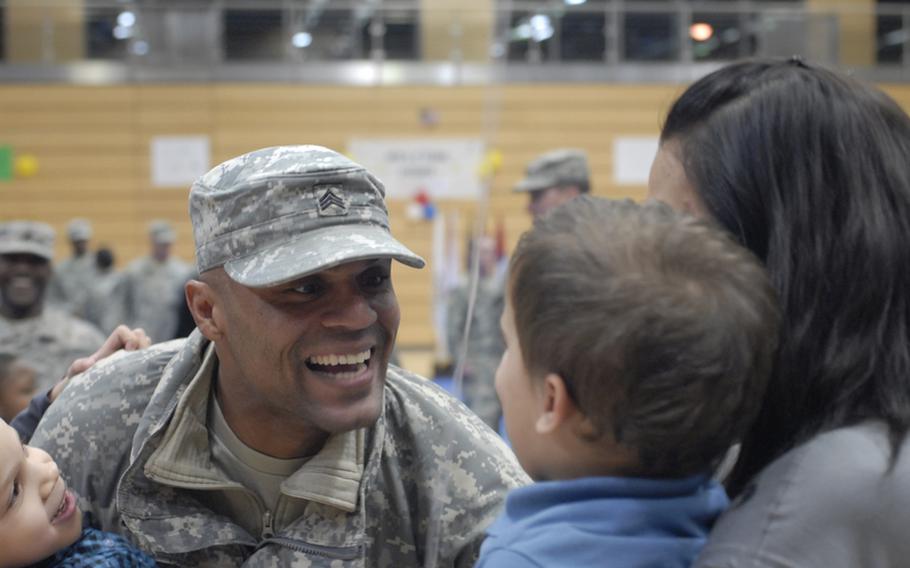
<point x="330" y="203"/>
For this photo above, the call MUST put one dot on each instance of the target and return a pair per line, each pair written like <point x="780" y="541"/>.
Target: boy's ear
<point x="201" y="300"/>
<point x="556" y="405"/>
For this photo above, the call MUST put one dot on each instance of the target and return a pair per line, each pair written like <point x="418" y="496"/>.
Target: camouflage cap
<point x="27" y="237"/>
<point x="556" y="168"/>
<point x="79" y="230"/>
<point x="277" y="214"/>
<point x="161" y="232"/>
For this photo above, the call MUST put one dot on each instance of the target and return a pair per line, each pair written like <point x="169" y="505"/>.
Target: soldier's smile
<point x="23" y="278"/>
<point x="341" y="365"/>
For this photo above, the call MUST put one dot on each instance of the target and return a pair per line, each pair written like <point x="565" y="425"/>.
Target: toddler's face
<point x="38" y="516"/>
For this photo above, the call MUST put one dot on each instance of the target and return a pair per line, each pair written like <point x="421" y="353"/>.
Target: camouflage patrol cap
<point x="277" y="214"/>
<point x="556" y="168"/>
<point x="79" y="230"/>
<point x="161" y="232"/>
<point x="27" y="237"/>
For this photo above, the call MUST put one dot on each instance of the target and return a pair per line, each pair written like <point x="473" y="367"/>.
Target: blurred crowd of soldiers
<point x="51" y="314"/>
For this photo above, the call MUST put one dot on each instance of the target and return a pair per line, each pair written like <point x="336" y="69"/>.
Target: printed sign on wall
<point x="439" y="167"/>
<point x="177" y="161"/>
<point x="632" y="159"/>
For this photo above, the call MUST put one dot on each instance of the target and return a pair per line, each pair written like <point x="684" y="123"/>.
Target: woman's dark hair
<point x="811" y="171"/>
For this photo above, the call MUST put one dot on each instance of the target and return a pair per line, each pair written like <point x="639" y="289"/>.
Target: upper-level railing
<point x="410" y="41"/>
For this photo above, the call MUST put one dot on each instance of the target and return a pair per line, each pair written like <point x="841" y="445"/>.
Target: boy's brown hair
<point x="661" y="326"/>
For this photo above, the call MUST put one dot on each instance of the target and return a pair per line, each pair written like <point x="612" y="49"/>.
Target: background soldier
<point x="99" y="308"/>
<point x="554" y="178"/>
<point x="74" y="277"/>
<point x="150" y="289"/>
<point x="46" y="338"/>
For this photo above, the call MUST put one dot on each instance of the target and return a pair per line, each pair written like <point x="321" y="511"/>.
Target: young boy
<point x="39" y="518"/>
<point x="40" y="522"/>
<point x="638" y="346"/>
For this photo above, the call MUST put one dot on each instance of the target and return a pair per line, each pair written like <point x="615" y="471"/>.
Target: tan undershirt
<point x="254" y="470"/>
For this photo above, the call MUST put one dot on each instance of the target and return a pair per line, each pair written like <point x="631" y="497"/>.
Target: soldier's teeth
<point x="333" y="359"/>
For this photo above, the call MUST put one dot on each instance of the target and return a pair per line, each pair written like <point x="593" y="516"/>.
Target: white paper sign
<point x="179" y="160"/>
<point x="632" y="159"/>
<point x="440" y="167"/>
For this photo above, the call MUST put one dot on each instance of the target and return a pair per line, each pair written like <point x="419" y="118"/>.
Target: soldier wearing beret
<point x="46" y="338"/>
<point x="278" y="433"/>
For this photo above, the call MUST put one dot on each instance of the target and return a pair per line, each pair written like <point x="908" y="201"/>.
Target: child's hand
<point x="121" y="338"/>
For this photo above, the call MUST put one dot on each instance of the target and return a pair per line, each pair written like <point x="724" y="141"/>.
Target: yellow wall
<point x="92" y="147"/>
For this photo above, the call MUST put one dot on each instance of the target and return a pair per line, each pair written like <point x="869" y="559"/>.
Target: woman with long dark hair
<point x="810" y="170"/>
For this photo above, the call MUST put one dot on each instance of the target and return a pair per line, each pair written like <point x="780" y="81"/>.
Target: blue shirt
<point x="99" y="549"/>
<point x="604" y="521"/>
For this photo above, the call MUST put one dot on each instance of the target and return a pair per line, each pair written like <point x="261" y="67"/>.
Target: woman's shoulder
<point x="830" y="502"/>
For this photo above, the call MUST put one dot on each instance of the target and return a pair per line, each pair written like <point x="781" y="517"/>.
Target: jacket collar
<point x="183" y="458"/>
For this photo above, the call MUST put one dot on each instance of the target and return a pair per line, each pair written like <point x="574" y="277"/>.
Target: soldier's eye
<point x="375" y="278"/>
<point x="308" y="287"/>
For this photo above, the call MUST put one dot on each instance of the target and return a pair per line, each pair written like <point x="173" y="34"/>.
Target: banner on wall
<point x="176" y="161"/>
<point x="442" y="168"/>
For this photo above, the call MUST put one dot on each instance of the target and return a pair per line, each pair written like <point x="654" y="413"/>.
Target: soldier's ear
<point x="201" y="300"/>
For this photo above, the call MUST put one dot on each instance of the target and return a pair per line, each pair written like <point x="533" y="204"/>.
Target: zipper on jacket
<point x="267" y="530"/>
<point x="333" y="552"/>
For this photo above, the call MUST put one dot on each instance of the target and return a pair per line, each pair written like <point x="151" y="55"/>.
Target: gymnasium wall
<point x="92" y="149"/>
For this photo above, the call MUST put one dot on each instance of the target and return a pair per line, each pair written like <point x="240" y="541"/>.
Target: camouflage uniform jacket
<point x="49" y="342"/>
<point x="72" y="282"/>
<point x="149" y="294"/>
<point x="434" y="476"/>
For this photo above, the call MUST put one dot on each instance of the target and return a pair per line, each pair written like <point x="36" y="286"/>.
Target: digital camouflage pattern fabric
<point x="49" y="342"/>
<point x="30" y="237"/>
<point x="280" y="213"/>
<point x="435" y="476"/>
<point x="148" y="293"/>
<point x="72" y="283"/>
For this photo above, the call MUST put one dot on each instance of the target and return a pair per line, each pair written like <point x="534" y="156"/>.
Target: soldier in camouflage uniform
<point x="75" y="277"/>
<point x="485" y="342"/>
<point x="149" y="291"/>
<point x="277" y="434"/>
<point x="554" y="178"/>
<point x="100" y="309"/>
<point x="46" y="338"/>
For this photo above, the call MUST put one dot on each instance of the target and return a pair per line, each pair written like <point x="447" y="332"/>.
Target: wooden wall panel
<point x="92" y="147"/>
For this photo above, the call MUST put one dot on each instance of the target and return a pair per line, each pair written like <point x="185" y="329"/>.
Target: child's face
<point x="16" y="390"/>
<point x="520" y="398"/>
<point x="38" y="516"/>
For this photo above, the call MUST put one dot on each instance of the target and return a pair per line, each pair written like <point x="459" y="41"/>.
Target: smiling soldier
<point x="277" y="433"/>
<point x="46" y="338"/>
